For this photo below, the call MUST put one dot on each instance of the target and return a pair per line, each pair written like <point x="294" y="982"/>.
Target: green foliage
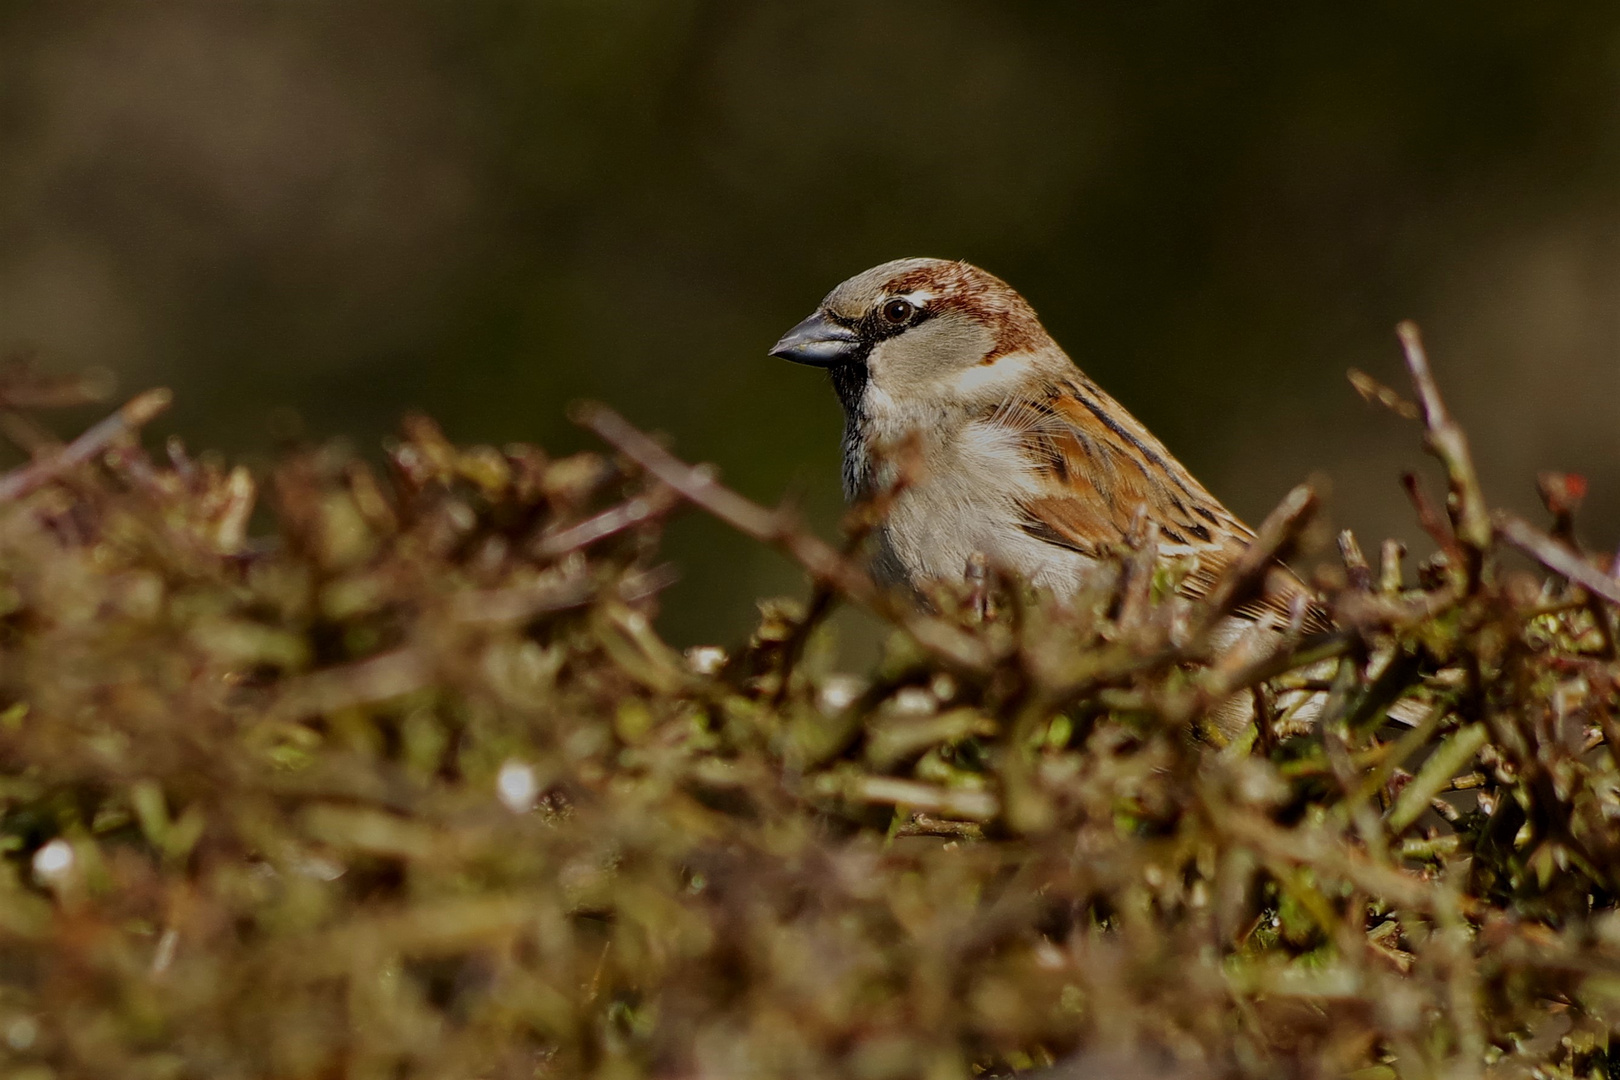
<point x="401" y="782"/>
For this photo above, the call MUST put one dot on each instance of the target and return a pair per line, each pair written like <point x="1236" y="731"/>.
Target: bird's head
<point x="923" y="333"/>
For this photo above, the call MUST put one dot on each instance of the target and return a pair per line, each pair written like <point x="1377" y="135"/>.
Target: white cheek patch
<point x="914" y="374"/>
<point x="1001" y="376"/>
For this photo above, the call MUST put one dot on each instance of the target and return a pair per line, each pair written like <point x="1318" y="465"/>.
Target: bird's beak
<point x="819" y="342"/>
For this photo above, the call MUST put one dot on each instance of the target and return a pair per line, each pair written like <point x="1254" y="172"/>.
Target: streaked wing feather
<point x="1282" y="586"/>
<point x="1098" y="465"/>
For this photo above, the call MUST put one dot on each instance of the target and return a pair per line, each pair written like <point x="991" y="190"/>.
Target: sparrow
<point x="1021" y="459"/>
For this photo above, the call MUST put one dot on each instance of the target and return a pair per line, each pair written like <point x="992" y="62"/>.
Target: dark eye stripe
<point x="873" y="327"/>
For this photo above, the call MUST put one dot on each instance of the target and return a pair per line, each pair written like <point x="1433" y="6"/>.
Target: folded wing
<point x="1097" y="466"/>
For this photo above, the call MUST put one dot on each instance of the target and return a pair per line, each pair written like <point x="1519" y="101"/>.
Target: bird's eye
<point x="898" y="311"/>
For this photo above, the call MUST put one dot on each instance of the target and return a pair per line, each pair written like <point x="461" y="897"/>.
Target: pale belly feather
<point x="965" y="503"/>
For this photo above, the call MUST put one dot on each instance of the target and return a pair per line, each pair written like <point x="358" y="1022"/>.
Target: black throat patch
<point x="849" y="383"/>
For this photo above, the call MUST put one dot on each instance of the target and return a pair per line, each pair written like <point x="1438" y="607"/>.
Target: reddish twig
<point x="1445" y="439"/>
<point x="1246" y="577"/>
<point x="1355" y="562"/>
<point x="862" y="519"/>
<point x="140" y="410"/>
<point x="1375" y="392"/>
<point x="1555" y="556"/>
<point x="825" y="563"/>
<point x="610" y="522"/>
<point x="1428" y="516"/>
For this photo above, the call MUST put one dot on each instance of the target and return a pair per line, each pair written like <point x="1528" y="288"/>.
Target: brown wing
<point x="1100" y="465"/>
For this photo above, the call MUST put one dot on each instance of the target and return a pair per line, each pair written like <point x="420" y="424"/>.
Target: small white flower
<point x="839" y="692"/>
<point x="706" y="659"/>
<point x="913" y="701"/>
<point x="320" y="868"/>
<point x="54" y="861"/>
<point x="516" y="786"/>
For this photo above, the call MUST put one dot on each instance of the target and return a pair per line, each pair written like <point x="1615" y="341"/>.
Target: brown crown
<point x="981" y="296"/>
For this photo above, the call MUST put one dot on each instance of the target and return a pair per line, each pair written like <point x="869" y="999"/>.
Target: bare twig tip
<point x="1375" y="392"/>
<point x="146" y="406"/>
<point x="587" y="413"/>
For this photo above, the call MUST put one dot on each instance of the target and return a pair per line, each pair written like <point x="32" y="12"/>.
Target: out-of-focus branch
<point x="138" y="411"/>
<point x="627" y="515"/>
<point x="1555" y="556"/>
<point x="1428" y="517"/>
<point x="781" y="530"/>
<point x="858" y="524"/>
<point x="1355" y="561"/>
<point x="24" y="386"/>
<point x="1373" y="391"/>
<point x="1331" y="857"/>
<point x="1246" y="577"/>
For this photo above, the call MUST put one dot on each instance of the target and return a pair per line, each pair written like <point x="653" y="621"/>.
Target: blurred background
<point x="313" y="217"/>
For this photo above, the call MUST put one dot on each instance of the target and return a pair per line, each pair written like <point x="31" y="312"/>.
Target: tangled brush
<point x="352" y="772"/>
